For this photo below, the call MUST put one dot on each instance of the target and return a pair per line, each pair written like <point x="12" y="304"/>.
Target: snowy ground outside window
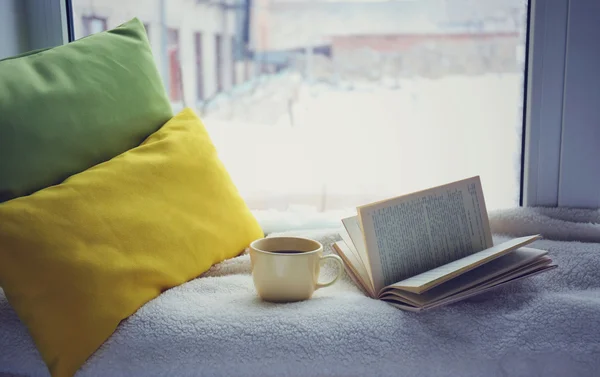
<point x="324" y="105"/>
<point x="287" y="142"/>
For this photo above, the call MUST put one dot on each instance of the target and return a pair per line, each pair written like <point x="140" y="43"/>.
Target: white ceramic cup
<point x="286" y="269"/>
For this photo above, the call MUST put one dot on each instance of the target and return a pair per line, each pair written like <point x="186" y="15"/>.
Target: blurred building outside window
<point x="332" y="104"/>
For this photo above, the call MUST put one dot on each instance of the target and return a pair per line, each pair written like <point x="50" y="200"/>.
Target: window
<point x="219" y="62"/>
<point x="93" y="24"/>
<point x="233" y="62"/>
<point x="174" y="65"/>
<point x="199" y="67"/>
<point x="344" y="103"/>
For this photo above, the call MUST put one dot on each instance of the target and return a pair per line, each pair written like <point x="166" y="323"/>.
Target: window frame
<point x="234" y="78"/>
<point x="219" y="72"/>
<point x="13" y="39"/>
<point x="562" y="134"/>
<point x="47" y="23"/>
<point x="544" y="99"/>
<point x="579" y="183"/>
<point x="544" y="145"/>
<point x="199" y="60"/>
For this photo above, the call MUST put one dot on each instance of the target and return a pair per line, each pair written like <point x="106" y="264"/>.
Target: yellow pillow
<point x="77" y="258"/>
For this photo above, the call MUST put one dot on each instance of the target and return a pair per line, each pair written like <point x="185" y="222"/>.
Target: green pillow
<point x="68" y="108"/>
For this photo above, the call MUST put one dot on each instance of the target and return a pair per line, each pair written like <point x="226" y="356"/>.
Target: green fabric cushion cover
<point x="68" y="108"/>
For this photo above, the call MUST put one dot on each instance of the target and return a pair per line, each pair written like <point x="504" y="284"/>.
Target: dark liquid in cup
<point x="288" y="252"/>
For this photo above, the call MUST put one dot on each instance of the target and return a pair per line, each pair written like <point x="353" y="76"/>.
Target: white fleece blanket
<point x="548" y="325"/>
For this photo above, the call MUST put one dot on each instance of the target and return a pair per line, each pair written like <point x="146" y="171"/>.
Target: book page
<point x="505" y="279"/>
<point x="403" y="306"/>
<point x="414" y="233"/>
<point x="429" y="279"/>
<point x="354" y="267"/>
<point x="509" y="263"/>
<point x="355" y="240"/>
<point x="400" y="304"/>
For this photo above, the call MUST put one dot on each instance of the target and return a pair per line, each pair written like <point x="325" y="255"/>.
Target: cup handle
<point x="340" y="270"/>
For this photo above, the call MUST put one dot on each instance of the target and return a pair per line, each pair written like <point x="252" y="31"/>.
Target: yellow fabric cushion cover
<point x="79" y="257"/>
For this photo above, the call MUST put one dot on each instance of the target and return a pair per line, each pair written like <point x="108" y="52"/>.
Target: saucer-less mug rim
<point x="317" y="246"/>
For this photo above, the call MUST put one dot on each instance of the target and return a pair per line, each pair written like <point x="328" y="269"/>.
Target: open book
<point x="432" y="247"/>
